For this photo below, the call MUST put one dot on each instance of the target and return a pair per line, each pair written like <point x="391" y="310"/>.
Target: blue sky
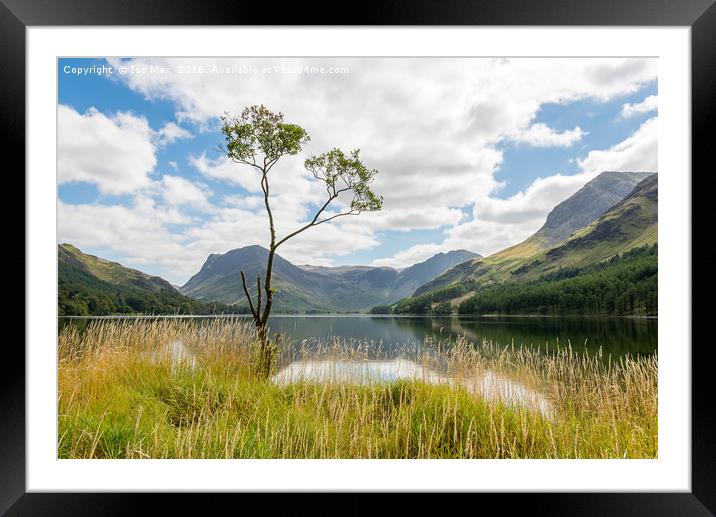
<point x="472" y="154"/>
<point x="600" y="120"/>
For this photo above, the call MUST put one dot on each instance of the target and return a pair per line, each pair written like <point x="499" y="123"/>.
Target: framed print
<point x="417" y="254"/>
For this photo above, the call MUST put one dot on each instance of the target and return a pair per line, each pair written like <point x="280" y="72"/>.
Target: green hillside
<point x="630" y="223"/>
<point x="89" y="285"/>
<point x="587" y="204"/>
<point x="570" y="216"/>
<point x="626" y="284"/>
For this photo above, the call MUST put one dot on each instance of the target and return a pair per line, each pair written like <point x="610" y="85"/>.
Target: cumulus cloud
<point x="540" y="135"/>
<point x="649" y="104"/>
<point x="416" y="218"/>
<point x="432" y="127"/>
<point x="639" y="152"/>
<point x="222" y="169"/>
<point x="233" y="227"/>
<point x="410" y="256"/>
<point x="170" y="132"/>
<point x="138" y="234"/>
<point x="500" y="223"/>
<point x="425" y="124"/>
<point x="178" y="191"/>
<point x="114" y="153"/>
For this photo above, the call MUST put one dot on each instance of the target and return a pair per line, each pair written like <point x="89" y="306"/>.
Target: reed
<point x="175" y="389"/>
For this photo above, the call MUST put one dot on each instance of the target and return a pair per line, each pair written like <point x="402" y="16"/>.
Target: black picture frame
<point x="700" y="15"/>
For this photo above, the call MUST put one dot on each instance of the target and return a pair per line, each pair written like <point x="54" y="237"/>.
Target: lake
<point x="615" y="336"/>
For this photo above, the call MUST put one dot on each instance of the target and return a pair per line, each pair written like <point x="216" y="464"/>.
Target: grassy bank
<point x="126" y="392"/>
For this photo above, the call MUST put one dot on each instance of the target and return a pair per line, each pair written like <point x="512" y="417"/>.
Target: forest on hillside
<point x="623" y="285"/>
<point x="81" y="294"/>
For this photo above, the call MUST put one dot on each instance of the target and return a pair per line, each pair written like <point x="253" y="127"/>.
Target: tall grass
<point x="127" y="390"/>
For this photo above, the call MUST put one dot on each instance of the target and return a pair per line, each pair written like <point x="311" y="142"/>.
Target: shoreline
<point x="363" y="315"/>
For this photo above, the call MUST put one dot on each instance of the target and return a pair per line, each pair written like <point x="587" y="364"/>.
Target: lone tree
<point x="259" y="138"/>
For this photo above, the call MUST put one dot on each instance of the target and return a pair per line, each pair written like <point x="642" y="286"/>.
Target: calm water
<point x="489" y="385"/>
<point x="616" y="336"/>
<point x="392" y="336"/>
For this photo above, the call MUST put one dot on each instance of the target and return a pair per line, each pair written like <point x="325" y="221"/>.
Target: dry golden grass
<point x="127" y="391"/>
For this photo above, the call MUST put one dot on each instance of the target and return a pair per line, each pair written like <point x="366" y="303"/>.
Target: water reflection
<point x="174" y="353"/>
<point x="615" y="336"/>
<point x="488" y="385"/>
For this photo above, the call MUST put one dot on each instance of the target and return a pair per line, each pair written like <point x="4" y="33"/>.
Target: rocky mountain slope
<point x="313" y="288"/>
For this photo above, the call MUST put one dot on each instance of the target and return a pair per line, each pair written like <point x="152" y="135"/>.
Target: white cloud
<point x="170" y="132"/>
<point x="236" y="227"/>
<point x="639" y="152"/>
<point x="432" y="127"/>
<point x="137" y="234"/>
<point x="145" y="206"/>
<point x="116" y="154"/>
<point x="425" y="124"/>
<point x="650" y="103"/>
<point x="178" y="191"/>
<point x="540" y="135"/>
<point x="222" y="169"/>
<point x="410" y="256"/>
<point x="500" y="223"/>
<point x="416" y="218"/>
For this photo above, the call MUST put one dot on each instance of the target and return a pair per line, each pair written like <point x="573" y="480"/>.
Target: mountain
<point x="411" y="278"/>
<point x="630" y="222"/>
<point x="89" y="285"/>
<point x="107" y="271"/>
<point x="219" y="279"/>
<point x="588" y="203"/>
<point x="625" y="284"/>
<point x="313" y="288"/>
<point x="582" y="208"/>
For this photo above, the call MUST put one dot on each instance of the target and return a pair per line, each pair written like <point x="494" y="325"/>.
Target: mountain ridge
<point x="610" y="183"/>
<point x="90" y="284"/>
<point x="312" y="288"/>
<point x="588" y="203"/>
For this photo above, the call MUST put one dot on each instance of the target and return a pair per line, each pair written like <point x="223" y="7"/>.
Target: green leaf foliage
<point x="259" y="130"/>
<point x="345" y="172"/>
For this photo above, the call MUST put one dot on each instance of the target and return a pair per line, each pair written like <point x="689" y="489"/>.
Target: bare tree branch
<point x="258" y="130"/>
<point x="245" y="162"/>
<point x="271" y="164"/>
<point x="307" y="226"/>
<point x="351" y="212"/>
<point x="248" y="296"/>
<point x="315" y="221"/>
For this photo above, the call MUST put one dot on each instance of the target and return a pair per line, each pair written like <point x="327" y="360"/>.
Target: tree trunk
<point x="267" y="286"/>
<point x="266" y="350"/>
<point x="265" y="359"/>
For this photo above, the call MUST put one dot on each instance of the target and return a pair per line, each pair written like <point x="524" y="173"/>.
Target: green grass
<point x="122" y="395"/>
